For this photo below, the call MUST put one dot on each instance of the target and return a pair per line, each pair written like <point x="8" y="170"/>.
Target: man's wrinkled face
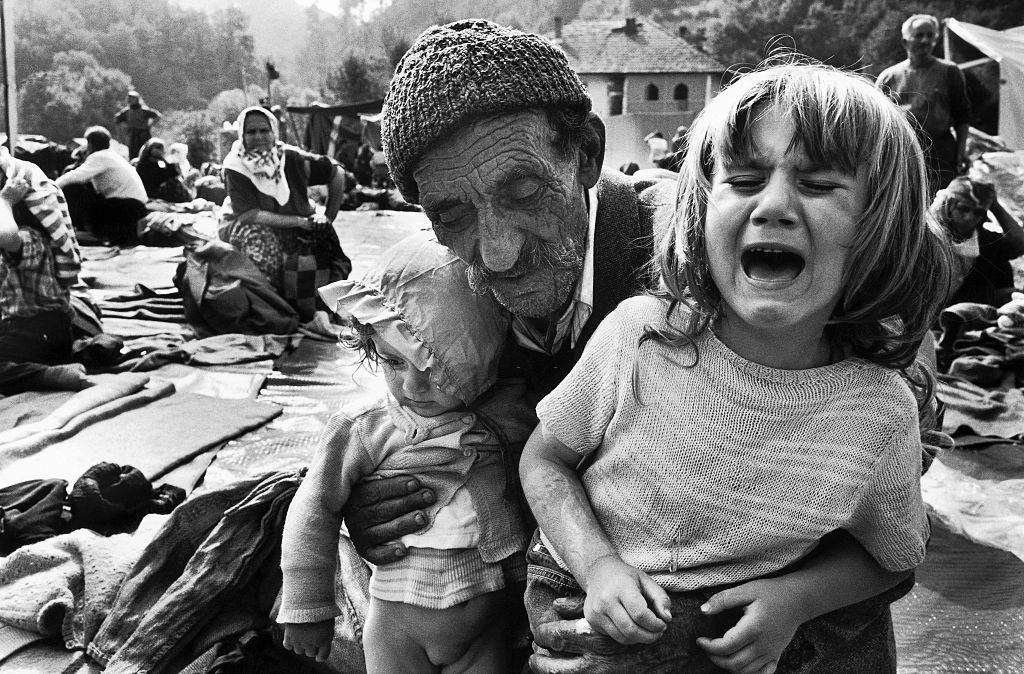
<point x="921" y="38"/>
<point x="502" y="197"/>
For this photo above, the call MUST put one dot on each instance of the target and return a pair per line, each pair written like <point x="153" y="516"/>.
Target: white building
<point x="641" y="78"/>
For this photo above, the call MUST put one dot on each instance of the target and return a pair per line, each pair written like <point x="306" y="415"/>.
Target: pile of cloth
<point x="978" y="489"/>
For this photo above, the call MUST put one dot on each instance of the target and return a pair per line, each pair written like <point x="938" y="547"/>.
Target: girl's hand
<point x="310" y="639"/>
<point x="625" y="603"/>
<point x="755" y="643"/>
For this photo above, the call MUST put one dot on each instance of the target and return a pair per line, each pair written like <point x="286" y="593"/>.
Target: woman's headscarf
<point x="146" y="153"/>
<point x="264" y="168"/>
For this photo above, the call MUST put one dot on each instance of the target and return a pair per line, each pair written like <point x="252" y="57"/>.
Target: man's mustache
<point x="535" y="254"/>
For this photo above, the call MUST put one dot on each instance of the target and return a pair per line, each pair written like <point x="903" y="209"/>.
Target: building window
<point x="651" y="94"/>
<point x="615" y="90"/>
<point x="681" y="95"/>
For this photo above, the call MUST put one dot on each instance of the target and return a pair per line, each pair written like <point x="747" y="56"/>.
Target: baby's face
<point x="412" y="388"/>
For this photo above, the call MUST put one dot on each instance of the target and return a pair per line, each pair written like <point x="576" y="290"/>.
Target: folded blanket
<point x="988" y="413"/>
<point x="227" y="349"/>
<point x="154" y="437"/>
<point x="109" y="390"/>
<point x="66" y="585"/>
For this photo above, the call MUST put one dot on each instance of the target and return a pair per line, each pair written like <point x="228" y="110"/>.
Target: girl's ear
<point x="591" y="152"/>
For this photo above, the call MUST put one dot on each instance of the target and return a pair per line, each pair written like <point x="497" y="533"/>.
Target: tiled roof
<point x="602" y="46"/>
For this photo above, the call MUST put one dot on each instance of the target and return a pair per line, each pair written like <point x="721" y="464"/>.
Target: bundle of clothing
<point x="108" y="497"/>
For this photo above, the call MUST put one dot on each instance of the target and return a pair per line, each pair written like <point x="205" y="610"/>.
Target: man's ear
<point x="591" y="153"/>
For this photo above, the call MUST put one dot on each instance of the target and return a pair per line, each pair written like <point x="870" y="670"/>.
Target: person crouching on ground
<point x="985" y="274"/>
<point x="105" y="194"/>
<point x="39" y="262"/>
<point x="438" y="344"/>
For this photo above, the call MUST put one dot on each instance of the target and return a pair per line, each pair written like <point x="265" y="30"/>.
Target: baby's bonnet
<point x="417" y="299"/>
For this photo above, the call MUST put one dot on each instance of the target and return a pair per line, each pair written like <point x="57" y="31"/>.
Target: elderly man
<point x="490" y="130"/>
<point x="934" y="93"/>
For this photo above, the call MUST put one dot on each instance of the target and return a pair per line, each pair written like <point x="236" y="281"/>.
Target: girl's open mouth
<point x="767" y="264"/>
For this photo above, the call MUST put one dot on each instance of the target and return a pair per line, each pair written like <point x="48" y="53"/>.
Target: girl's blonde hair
<point x="898" y="270"/>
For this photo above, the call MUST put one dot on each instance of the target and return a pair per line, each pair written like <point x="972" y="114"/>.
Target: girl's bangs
<point x="828" y="119"/>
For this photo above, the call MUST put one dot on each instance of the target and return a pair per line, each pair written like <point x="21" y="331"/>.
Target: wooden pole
<point x="10" y="92"/>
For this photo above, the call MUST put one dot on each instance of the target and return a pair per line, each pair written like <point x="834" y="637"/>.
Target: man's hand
<point x="1011" y="314"/>
<point x="625" y="603"/>
<point x="310" y="639"/>
<point x="14" y="189"/>
<point x="379" y="512"/>
<point x="755" y="643"/>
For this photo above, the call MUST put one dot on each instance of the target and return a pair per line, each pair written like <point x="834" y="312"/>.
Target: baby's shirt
<point x="728" y="470"/>
<point x="453" y="454"/>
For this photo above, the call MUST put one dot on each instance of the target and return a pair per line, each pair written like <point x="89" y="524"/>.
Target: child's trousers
<point x="853" y="640"/>
<point x="469" y="637"/>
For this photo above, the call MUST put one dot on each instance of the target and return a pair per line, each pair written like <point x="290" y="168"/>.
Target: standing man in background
<point x="934" y="93"/>
<point x="139" y="118"/>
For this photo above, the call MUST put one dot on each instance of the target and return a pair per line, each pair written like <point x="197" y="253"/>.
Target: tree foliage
<point x="201" y="56"/>
<point x="74" y="93"/>
<point x="176" y="58"/>
<point x="355" y="79"/>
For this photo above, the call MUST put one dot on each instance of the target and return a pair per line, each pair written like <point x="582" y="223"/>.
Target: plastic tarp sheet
<point x="1006" y="47"/>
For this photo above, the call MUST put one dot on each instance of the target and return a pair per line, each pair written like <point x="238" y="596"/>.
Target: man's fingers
<point x="382" y="554"/>
<point x="575" y="636"/>
<point x="546" y="663"/>
<point x="569" y="608"/>
<point x="370" y="492"/>
<point x="388" y="532"/>
<point x="370" y="516"/>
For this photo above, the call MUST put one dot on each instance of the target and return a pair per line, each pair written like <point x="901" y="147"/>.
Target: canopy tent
<point x="1005" y="47"/>
<point x="330" y="127"/>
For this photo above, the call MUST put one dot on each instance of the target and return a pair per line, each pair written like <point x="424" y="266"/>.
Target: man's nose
<point x="499" y="241"/>
<point x="776" y="204"/>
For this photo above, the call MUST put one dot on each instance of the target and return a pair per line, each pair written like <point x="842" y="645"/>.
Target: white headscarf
<point x="264" y="168"/>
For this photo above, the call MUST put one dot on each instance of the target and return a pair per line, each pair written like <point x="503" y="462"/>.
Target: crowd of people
<point x="631" y="421"/>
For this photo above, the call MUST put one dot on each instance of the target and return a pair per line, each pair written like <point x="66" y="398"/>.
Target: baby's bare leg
<point x="469" y="637"/>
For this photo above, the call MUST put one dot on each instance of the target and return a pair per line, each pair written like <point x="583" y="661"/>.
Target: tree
<point x="77" y="92"/>
<point x="196" y="128"/>
<point x="355" y="80"/>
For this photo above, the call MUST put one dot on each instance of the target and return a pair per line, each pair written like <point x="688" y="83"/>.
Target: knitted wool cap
<point x="464" y="70"/>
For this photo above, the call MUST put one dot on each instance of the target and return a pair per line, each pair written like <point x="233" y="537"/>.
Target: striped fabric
<point x="46" y="203"/>
<point x="439" y="579"/>
<point x="723" y="470"/>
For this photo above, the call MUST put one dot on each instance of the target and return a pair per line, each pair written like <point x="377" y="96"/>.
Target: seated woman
<point x="986" y="276"/>
<point x="268" y="215"/>
<point x="177" y="153"/>
<point x="161" y="178"/>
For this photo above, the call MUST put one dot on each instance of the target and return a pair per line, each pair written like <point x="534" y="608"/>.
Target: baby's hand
<point x="625" y="603"/>
<point x="755" y="643"/>
<point x="310" y="639"/>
